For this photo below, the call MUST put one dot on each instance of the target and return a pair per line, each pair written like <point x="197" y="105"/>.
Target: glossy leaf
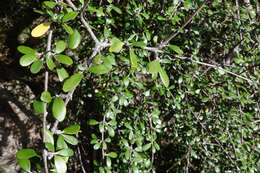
<point x="46" y="97"/>
<point x="72" y="82"/>
<point x="70" y="139"/>
<point x="25" y="164"/>
<point x="36" y="66"/>
<point x="73" y="129"/>
<point x="62" y="73"/>
<point x="66" y="152"/>
<point x="176" y="49"/>
<point x="49" y="4"/>
<point x="99" y="69"/>
<point x="60" y="164"/>
<point x="38" y="107"/>
<point x="146" y="147"/>
<point x="59" y="109"/>
<point x="67" y="28"/>
<point x="74" y="39"/>
<point x="60" y="46"/>
<point x="112" y="155"/>
<point x="49" y="137"/>
<point x="64" y="59"/>
<point x="50" y="146"/>
<point x="133" y="59"/>
<point x="139" y="44"/>
<point x="41" y="29"/>
<point x="92" y="122"/>
<point x="70" y="16"/>
<point x="27" y="59"/>
<point x="154" y="66"/>
<point x="164" y="77"/>
<point x="116" y="46"/>
<point x="61" y="144"/>
<point x="26" y="153"/>
<point x="26" y="50"/>
<point x="50" y="63"/>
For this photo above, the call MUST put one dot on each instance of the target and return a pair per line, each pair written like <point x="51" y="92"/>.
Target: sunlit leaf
<point x="60" y="164"/>
<point x="116" y="46"/>
<point x="164" y="77"/>
<point x="59" y="109"/>
<point x="73" y="129"/>
<point x="25" y="164"/>
<point x="46" y="97"/>
<point x="27" y="59"/>
<point x="74" y="40"/>
<point x="133" y="59"/>
<point x="92" y="122"/>
<point x="38" y="107"/>
<point x="65" y="152"/>
<point x="72" y="82"/>
<point x="60" y="46"/>
<point x="50" y="63"/>
<point x="112" y="155"/>
<point x="176" y="49"/>
<point x="67" y="28"/>
<point x="61" y="143"/>
<point x="154" y="66"/>
<point x="70" y="139"/>
<point x="49" y="4"/>
<point x="41" y="29"/>
<point x="26" y="153"/>
<point x="26" y="50"/>
<point x="62" y="73"/>
<point x="64" y="59"/>
<point x="70" y="16"/>
<point x="36" y="66"/>
<point x="99" y="69"/>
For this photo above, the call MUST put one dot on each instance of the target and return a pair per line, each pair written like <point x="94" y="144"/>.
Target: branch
<point x="45" y="104"/>
<point x="164" y="43"/>
<point x="72" y="5"/>
<point x="93" y="36"/>
<point x="215" y="67"/>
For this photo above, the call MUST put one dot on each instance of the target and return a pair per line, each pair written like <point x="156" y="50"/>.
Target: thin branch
<point x="164" y="43"/>
<point x="215" y="67"/>
<point x="44" y="153"/>
<point x="80" y="160"/>
<point x="72" y="5"/>
<point x="85" y="23"/>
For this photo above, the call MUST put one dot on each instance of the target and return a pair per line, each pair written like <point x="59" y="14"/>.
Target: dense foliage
<point x="155" y="86"/>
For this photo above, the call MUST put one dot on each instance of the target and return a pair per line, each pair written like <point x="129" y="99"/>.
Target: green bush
<point x="156" y="86"/>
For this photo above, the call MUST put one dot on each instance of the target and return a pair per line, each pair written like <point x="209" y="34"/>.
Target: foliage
<point x="176" y="85"/>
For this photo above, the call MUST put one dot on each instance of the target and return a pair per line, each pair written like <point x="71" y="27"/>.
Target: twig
<point x="164" y="43"/>
<point x="44" y="154"/>
<point x="72" y="5"/>
<point x="80" y="160"/>
<point x="215" y="67"/>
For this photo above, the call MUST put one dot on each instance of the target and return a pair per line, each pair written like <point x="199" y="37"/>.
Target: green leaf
<point x="70" y="16"/>
<point x="176" y="49"/>
<point x="116" y="9"/>
<point x="49" y="4"/>
<point x="61" y="144"/>
<point x="139" y="44"/>
<point x="66" y="152"/>
<point x="116" y="46"/>
<point x="111" y="131"/>
<point x="99" y="69"/>
<point x="74" y="40"/>
<point x="112" y="155"/>
<point x="60" y="164"/>
<point x="25" y="164"/>
<point x="64" y="59"/>
<point x="62" y="73"/>
<point x="133" y="59"/>
<point x="49" y="136"/>
<point x="67" y="28"/>
<point x="154" y="67"/>
<point x="27" y="59"/>
<point x="36" y="66"/>
<point x="46" y="97"/>
<point x="97" y="146"/>
<point x="50" y="146"/>
<point x="72" y="82"/>
<point x="59" y="109"/>
<point x="73" y="129"/>
<point x="146" y="147"/>
<point x="60" y="46"/>
<point x="50" y="63"/>
<point x="164" y="77"/>
<point x="26" y="154"/>
<point x="26" y="50"/>
<point x="38" y="107"/>
<point x="92" y="122"/>
<point x="108" y="161"/>
<point x="70" y="139"/>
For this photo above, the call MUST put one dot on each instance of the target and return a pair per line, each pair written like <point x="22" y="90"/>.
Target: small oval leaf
<point x="72" y="82"/>
<point x="66" y="152"/>
<point x="60" y="164"/>
<point x="164" y="77"/>
<point x="61" y="143"/>
<point x="64" y="59"/>
<point x="112" y="155"/>
<point x="36" y="66"/>
<point x="176" y="49"/>
<point x="59" y="109"/>
<point x="60" y="46"/>
<point x="25" y="164"/>
<point x="99" y="69"/>
<point x="26" y="153"/>
<point x="133" y="59"/>
<point x="38" y="107"/>
<point x="41" y="29"/>
<point x="70" y="16"/>
<point x="26" y="50"/>
<point x="154" y="67"/>
<point x="50" y="63"/>
<point x="116" y="46"/>
<point x="46" y="97"/>
<point x="74" y="39"/>
<point x="67" y="28"/>
<point x="92" y="122"/>
<point x="70" y="139"/>
<point x="73" y="129"/>
<point x="62" y="73"/>
<point x="27" y="59"/>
